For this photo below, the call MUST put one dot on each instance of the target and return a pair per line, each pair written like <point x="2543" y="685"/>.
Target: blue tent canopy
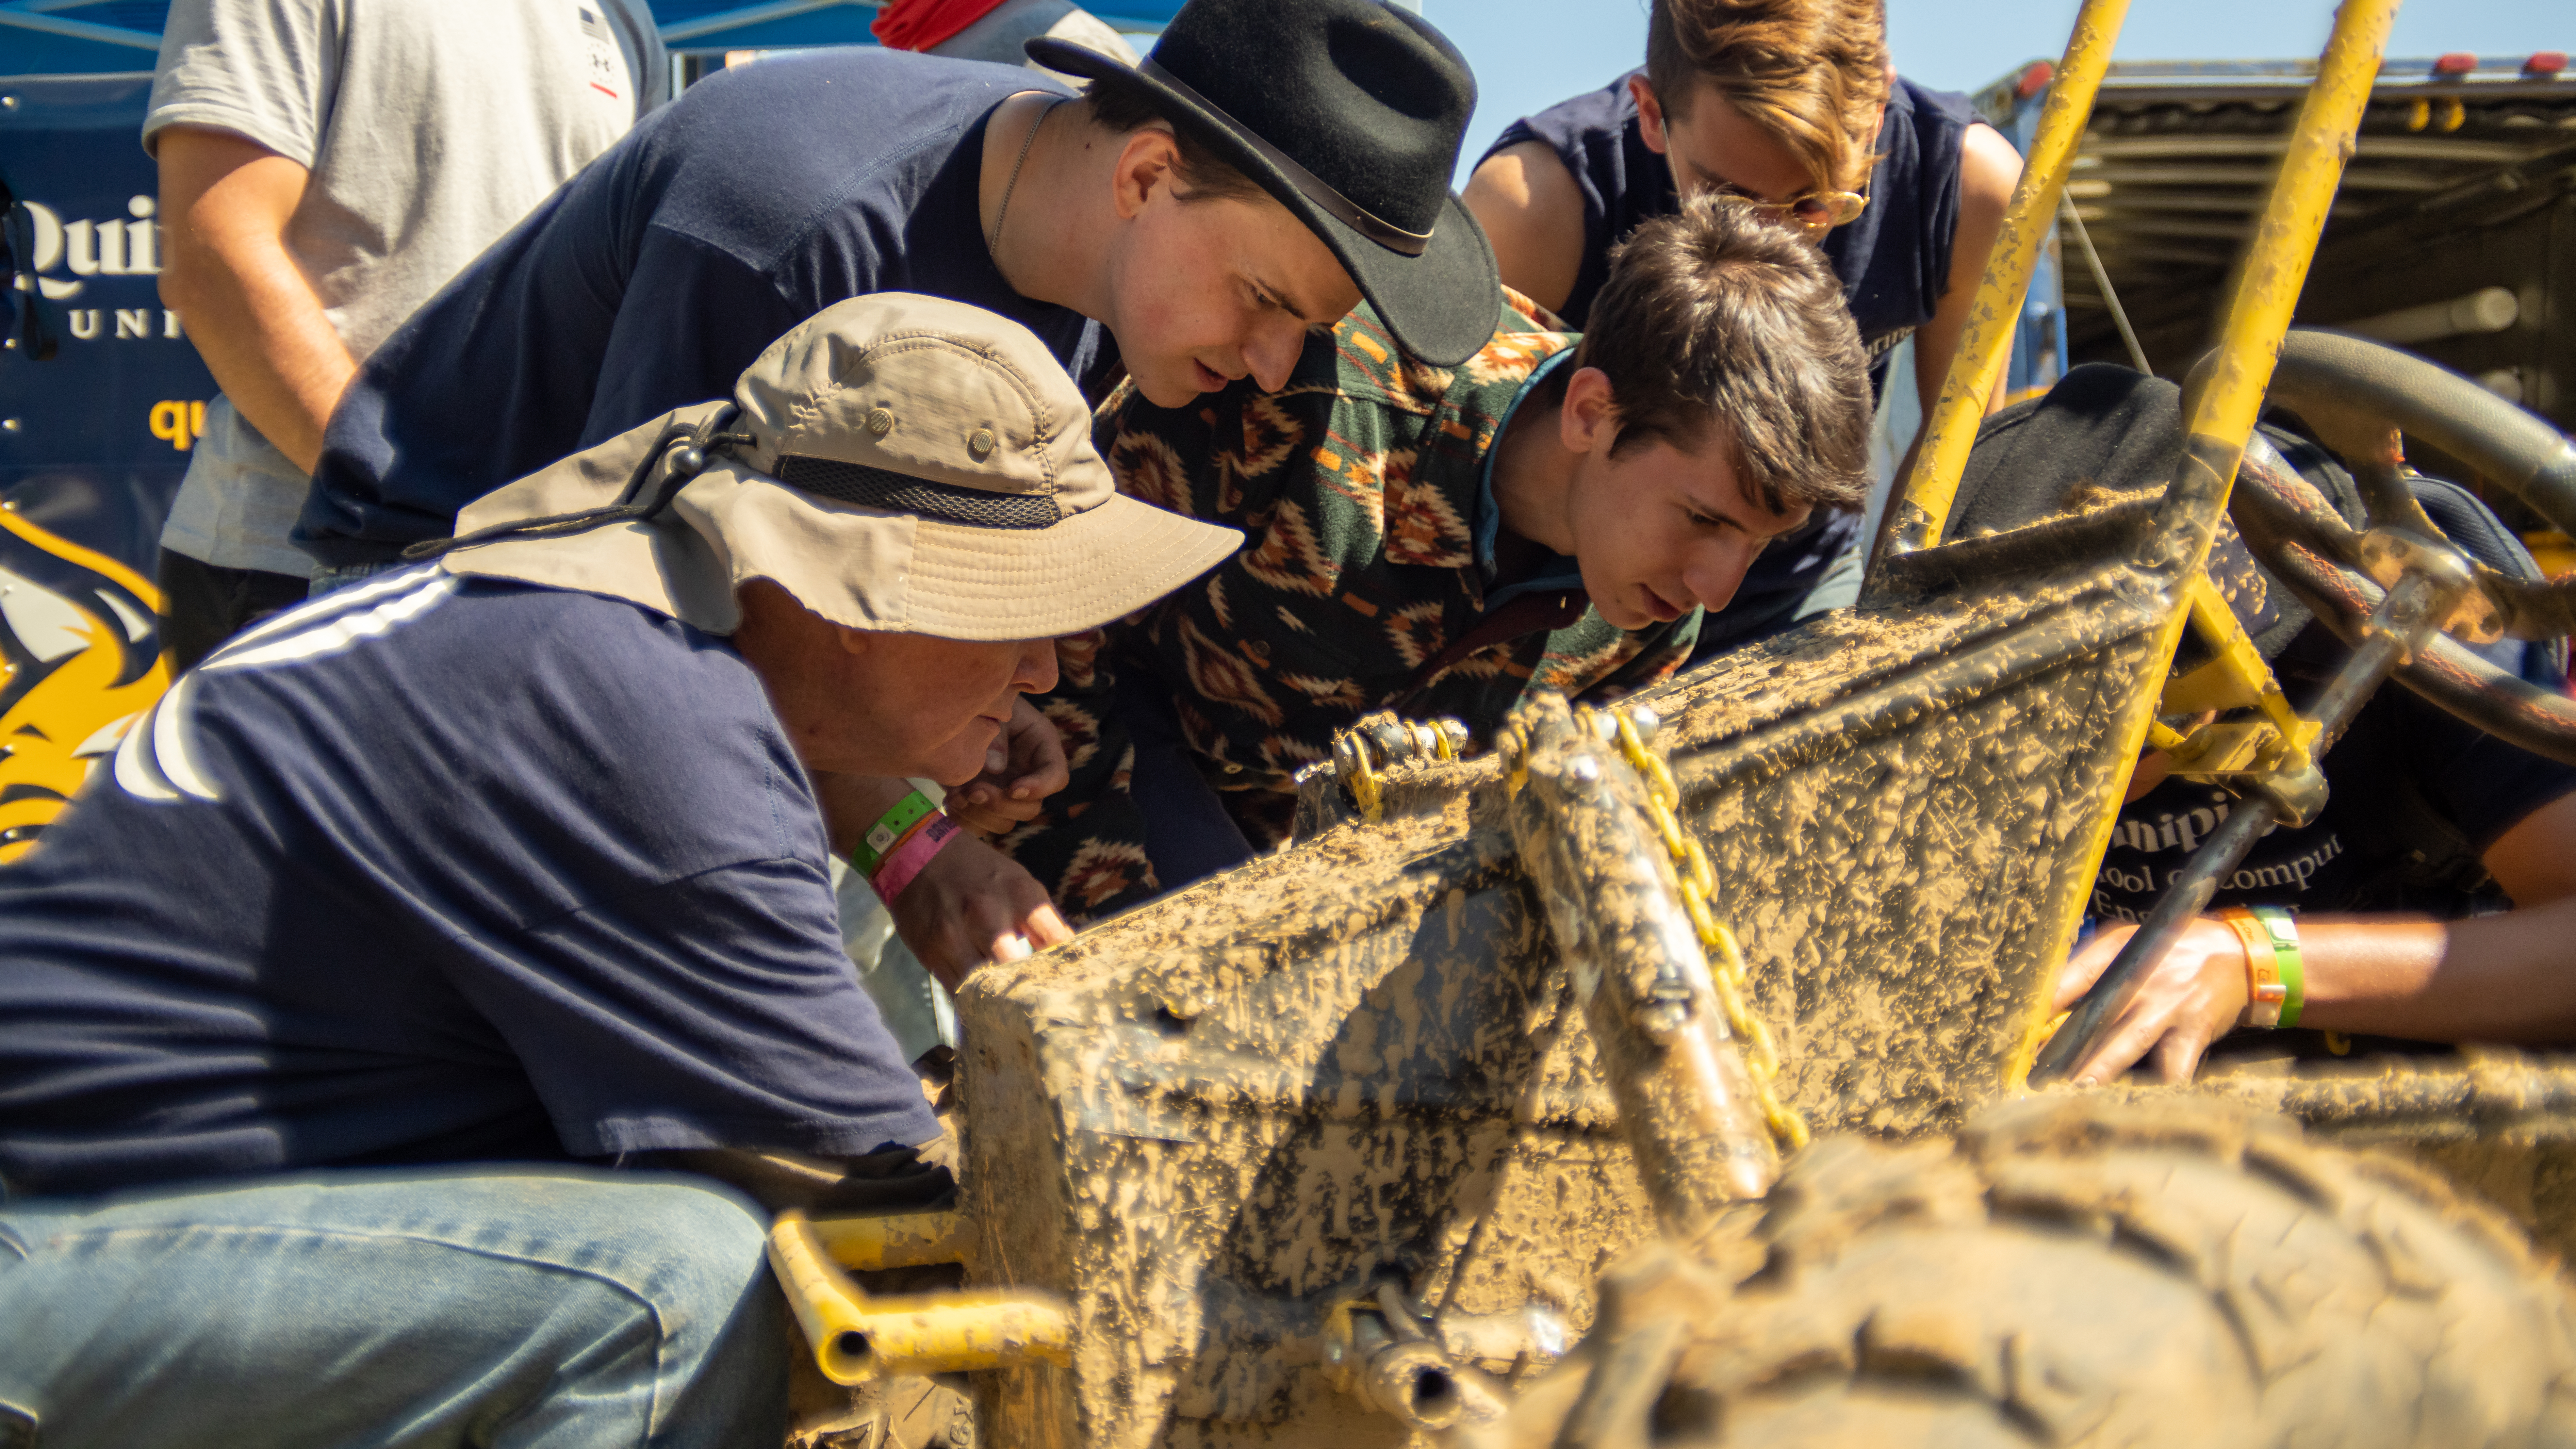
<point x="89" y="37"/>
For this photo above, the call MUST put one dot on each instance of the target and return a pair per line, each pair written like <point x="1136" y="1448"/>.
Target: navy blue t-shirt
<point x="437" y="870"/>
<point x="653" y="278"/>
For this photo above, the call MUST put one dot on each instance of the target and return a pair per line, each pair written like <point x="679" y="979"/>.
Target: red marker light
<point x="2458" y="62"/>
<point x="2545" y="62"/>
<point x="2034" y="79"/>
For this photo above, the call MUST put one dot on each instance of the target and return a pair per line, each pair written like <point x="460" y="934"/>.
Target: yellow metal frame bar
<point x="1914" y="515"/>
<point x="857" y="1337"/>
<point x="2223" y="412"/>
<point x="897" y="1240"/>
<point x="2235" y="678"/>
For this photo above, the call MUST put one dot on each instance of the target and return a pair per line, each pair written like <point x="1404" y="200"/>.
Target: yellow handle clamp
<point x="857" y="1337"/>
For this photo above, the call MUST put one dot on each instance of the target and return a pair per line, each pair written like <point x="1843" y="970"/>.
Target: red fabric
<point x="921" y="24"/>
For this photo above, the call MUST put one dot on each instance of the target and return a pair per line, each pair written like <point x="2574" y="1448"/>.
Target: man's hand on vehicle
<point x="972" y="904"/>
<point x="1025" y="765"/>
<point x="2194" y="996"/>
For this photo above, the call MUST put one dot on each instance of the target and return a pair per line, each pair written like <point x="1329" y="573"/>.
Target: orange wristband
<point x="2265" y="992"/>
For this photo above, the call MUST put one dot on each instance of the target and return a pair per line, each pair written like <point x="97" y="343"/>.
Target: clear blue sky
<point x="1529" y="54"/>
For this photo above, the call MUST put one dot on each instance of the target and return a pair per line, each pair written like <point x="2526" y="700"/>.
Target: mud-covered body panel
<point x="1209" y="1121"/>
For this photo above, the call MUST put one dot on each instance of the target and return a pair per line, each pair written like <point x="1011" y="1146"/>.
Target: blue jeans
<point x="505" y="1306"/>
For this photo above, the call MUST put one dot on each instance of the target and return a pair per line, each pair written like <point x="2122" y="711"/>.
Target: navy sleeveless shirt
<point x="1894" y="258"/>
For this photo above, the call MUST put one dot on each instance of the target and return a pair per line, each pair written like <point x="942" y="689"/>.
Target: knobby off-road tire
<point x="2079" y="1271"/>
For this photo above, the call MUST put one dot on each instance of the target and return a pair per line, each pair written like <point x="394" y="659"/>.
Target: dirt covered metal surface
<point x="1689" y="1090"/>
<point x="1210" y="1122"/>
<point x="1899" y="860"/>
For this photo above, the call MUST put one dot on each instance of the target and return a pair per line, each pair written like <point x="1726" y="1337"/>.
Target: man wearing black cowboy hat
<point x="1194" y="216"/>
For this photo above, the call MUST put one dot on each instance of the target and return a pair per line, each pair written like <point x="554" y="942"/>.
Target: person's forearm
<point x="271" y="348"/>
<point x="970" y="904"/>
<point x="1936" y="347"/>
<point x="250" y="310"/>
<point x="1988" y="169"/>
<point x="1932" y="368"/>
<point x="2490" y="978"/>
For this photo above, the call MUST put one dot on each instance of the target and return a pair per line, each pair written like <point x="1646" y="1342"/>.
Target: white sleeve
<point x="266" y="70"/>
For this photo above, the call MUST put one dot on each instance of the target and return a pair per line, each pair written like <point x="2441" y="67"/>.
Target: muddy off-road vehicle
<point x="1665" y="1073"/>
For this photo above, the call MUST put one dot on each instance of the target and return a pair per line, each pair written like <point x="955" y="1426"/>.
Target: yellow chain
<point x="1725" y="957"/>
<point x="1699" y="896"/>
<point x="1360" y="773"/>
<point x="1513" y="746"/>
<point x="1359" y="769"/>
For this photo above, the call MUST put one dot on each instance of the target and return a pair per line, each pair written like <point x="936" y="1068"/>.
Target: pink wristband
<point x="908" y="858"/>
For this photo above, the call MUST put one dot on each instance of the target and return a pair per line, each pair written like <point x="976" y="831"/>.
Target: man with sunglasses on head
<point x="1191" y="217"/>
<point x="1790" y="105"/>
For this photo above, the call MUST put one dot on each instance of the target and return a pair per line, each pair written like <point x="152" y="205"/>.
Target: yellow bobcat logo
<point x="80" y="659"/>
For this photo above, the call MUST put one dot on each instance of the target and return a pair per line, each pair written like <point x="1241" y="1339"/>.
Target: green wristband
<point x="2284" y="931"/>
<point x="889" y="831"/>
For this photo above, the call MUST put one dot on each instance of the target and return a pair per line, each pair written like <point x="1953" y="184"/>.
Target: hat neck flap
<point x="667" y="565"/>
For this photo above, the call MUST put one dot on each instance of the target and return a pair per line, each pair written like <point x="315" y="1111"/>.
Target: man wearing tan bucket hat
<point x="408" y="903"/>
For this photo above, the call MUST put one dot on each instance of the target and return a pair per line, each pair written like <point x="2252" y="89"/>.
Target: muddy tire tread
<point x="2074" y="1271"/>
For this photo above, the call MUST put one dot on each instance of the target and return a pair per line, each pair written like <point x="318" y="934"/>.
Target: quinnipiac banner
<point x="92" y="441"/>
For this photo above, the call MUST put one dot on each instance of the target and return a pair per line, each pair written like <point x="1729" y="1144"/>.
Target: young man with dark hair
<point x="1553" y="514"/>
<point x="1268" y="165"/>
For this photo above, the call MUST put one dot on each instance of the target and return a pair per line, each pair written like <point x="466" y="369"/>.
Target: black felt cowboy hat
<point x="1350" y="112"/>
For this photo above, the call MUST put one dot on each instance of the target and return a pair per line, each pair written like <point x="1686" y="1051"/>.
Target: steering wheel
<point x="2359" y="396"/>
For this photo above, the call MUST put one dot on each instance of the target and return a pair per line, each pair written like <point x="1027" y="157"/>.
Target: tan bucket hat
<point x="897" y="463"/>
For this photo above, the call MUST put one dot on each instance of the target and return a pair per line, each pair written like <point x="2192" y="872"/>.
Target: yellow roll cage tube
<point x="857" y="1337"/>
<point x="2221" y="411"/>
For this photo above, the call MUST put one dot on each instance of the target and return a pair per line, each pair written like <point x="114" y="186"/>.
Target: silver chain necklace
<point x="993" y="243"/>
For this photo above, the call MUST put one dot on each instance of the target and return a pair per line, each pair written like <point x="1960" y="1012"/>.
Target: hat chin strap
<point x="648" y="492"/>
<point x="1350" y="213"/>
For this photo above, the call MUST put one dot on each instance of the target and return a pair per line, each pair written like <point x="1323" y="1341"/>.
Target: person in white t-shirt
<point x="326" y="166"/>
